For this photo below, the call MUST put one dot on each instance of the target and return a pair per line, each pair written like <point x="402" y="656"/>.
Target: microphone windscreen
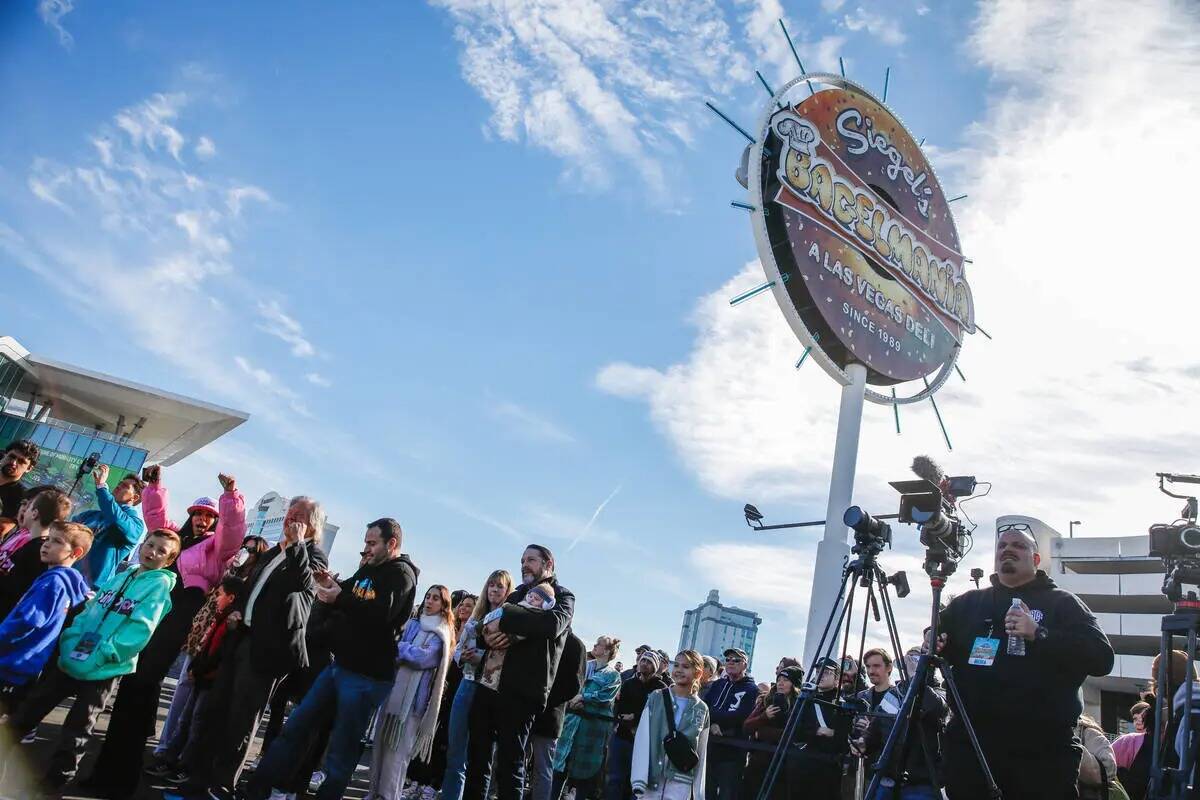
<point x="926" y="468"/>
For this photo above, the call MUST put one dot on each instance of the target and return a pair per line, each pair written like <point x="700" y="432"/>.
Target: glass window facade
<point x="52" y="437"/>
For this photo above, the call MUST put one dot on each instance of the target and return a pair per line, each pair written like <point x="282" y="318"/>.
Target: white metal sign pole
<point x="833" y="549"/>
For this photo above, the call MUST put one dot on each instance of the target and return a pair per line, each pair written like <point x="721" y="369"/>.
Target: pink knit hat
<point x="205" y="504"/>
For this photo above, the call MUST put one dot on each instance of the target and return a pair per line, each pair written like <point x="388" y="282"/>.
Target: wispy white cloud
<point x="52" y="13"/>
<point x="1046" y="414"/>
<point x="205" y="148"/>
<point x="597" y="83"/>
<point x="238" y="195"/>
<point x="922" y="9"/>
<point x="275" y="321"/>
<point x="884" y="28"/>
<point x="769" y="49"/>
<point x="317" y="379"/>
<point x="527" y="424"/>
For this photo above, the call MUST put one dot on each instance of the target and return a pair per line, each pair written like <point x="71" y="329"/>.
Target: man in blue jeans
<point x="367" y="613"/>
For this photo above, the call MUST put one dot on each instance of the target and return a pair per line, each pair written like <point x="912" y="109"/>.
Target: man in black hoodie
<point x="1024" y="707"/>
<point x="534" y="639"/>
<point x="367" y="613"/>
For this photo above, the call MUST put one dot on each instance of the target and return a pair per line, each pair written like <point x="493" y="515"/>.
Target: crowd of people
<point x="465" y="696"/>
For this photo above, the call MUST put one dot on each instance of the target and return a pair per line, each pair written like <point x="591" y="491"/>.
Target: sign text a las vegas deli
<point x="863" y="220"/>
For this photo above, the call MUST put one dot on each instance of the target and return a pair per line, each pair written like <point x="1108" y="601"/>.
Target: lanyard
<point x="120" y="595"/>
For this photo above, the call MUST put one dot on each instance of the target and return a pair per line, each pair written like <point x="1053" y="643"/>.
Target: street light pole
<point x="1072" y="524"/>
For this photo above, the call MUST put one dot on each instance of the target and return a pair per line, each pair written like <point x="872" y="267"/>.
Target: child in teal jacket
<point x="99" y="646"/>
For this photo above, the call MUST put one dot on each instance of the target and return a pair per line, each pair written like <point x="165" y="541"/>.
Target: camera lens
<point x="1189" y="537"/>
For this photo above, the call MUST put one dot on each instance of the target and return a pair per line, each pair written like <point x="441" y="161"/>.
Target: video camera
<point x="932" y="505"/>
<point x="1178" y="543"/>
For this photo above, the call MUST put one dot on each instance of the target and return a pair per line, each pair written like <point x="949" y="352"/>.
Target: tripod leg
<point x="885" y="765"/>
<point x="1162" y="715"/>
<point x="779" y="757"/>
<point x="952" y="689"/>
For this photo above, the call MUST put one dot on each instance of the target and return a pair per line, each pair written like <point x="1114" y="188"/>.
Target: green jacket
<point x="124" y="613"/>
<point x="651" y="766"/>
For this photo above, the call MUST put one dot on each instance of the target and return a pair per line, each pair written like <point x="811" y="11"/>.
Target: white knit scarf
<point x="404" y="691"/>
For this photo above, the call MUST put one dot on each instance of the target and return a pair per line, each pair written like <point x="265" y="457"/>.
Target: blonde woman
<point x="410" y="714"/>
<point x="655" y="776"/>
<point x="580" y="751"/>
<point x="469" y="655"/>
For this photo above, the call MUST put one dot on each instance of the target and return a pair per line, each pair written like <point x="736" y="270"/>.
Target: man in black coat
<point x="568" y="681"/>
<point x="646" y="679"/>
<point x="272" y="621"/>
<point x="534" y="641"/>
<point x="1024" y="705"/>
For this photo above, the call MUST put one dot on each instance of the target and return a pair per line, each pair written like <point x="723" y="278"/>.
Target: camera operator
<point x="917" y="781"/>
<point x="824" y="731"/>
<point x="1023" y="707"/>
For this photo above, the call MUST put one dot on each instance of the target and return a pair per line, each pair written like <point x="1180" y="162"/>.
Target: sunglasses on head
<point x="1014" y="526"/>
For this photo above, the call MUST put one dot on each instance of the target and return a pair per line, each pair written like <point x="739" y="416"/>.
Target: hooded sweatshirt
<point x="116" y="530"/>
<point x="29" y="632"/>
<point x="730" y="703"/>
<point x="1037" y="694"/>
<point x="124" y="613"/>
<point x="368" y="616"/>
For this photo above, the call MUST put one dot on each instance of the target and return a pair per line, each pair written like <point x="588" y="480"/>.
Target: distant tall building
<point x="267" y="521"/>
<point x="712" y="628"/>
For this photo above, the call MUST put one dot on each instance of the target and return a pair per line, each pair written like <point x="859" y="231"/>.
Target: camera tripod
<point x="1175" y="782"/>
<point x="899" y="740"/>
<point x="862" y="572"/>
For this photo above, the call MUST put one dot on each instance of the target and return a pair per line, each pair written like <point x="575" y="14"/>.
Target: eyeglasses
<point x="734" y="660"/>
<point x="1014" y="526"/>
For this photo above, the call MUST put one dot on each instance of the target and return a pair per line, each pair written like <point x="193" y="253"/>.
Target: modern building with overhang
<point x="712" y="628"/>
<point x="1122" y="585"/>
<point x="71" y="412"/>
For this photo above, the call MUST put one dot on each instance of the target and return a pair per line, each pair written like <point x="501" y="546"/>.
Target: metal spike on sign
<point x="922" y="142"/>
<point x="960" y="374"/>
<point x="766" y="85"/>
<point x="886" y="77"/>
<point x="757" y="290"/>
<point x="896" y="410"/>
<point x="981" y="330"/>
<point x="803" y="357"/>
<point x="960" y="197"/>
<point x="842" y="66"/>
<point x="740" y="204"/>
<point x="796" y="55"/>
<point x="938" y="414"/>
<point x="732" y="124"/>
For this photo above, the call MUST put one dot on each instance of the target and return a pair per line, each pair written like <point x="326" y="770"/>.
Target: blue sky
<point x="467" y="264"/>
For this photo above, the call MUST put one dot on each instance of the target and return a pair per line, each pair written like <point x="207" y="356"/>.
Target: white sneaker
<point x="316" y="780"/>
<point x="428" y="793"/>
<point x="278" y="795"/>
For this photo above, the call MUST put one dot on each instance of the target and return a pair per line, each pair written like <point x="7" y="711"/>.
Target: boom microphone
<point x="927" y="469"/>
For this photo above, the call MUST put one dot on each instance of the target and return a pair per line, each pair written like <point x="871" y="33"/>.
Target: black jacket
<point x="18" y="573"/>
<point x="281" y="611"/>
<point x="368" y="615"/>
<point x="729" y="704"/>
<point x="933" y="717"/>
<point x="530" y="664"/>
<point x="632" y="700"/>
<point x="568" y="681"/>
<point x="1035" y="695"/>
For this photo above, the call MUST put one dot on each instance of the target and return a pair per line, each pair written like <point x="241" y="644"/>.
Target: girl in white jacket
<point x="654" y="775"/>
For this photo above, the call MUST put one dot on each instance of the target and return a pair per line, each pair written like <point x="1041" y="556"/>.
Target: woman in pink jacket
<point x="209" y="538"/>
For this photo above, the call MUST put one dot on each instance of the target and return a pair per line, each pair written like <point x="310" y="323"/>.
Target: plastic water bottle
<point x="1016" y="644"/>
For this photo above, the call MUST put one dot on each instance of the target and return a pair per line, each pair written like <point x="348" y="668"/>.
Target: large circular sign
<point x="854" y="229"/>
